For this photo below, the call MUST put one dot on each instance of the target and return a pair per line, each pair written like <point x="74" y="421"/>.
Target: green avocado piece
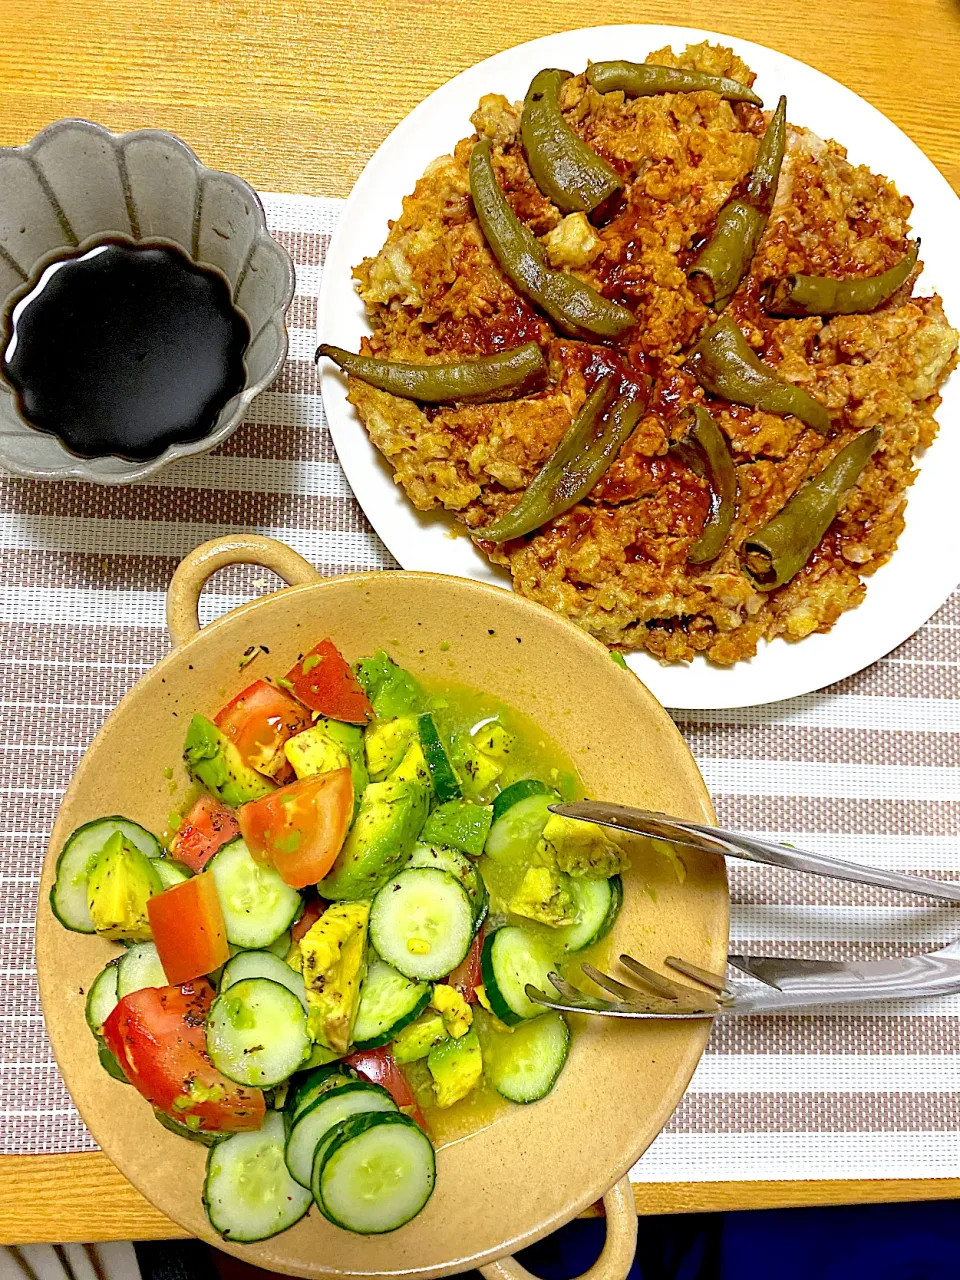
<point x="392" y="691"/>
<point x="328" y="745"/>
<point x="544" y="895"/>
<point x="456" y="1067"/>
<point x="120" y="880"/>
<point x="476" y="770"/>
<point x="459" y="824"/>
<point x="349" y="737"/>
<point x="581" y="848"/>
<point x="214" y="762"/>
<point x="416" y="1040"/>
<point x="386" y="742"/>
<point x="384" y="831"/>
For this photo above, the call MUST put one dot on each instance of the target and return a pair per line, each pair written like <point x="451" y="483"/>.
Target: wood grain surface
<point x="295" y="96"/>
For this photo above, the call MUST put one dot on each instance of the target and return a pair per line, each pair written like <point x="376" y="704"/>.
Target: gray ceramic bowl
<point x="76" y="182"/>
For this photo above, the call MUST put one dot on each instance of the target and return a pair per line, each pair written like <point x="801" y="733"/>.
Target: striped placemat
<point x="868" y="770"/>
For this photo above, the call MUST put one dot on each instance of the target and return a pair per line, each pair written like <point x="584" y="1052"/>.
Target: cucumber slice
<point x="514" y="835"/>
<point x="102" y="998"/>
<point x="281" y="948"/>
<point x="257" y="1033"/>
<point x="139" y="967"/>
<point x="523" y="1065"/>
<point x="598" y="904"/>
<point x="428" y="855"/>
<point x="421" y="922"/>
<point x="314" y="1085"/>
<point x="109" y="1063"/>
<point x="257" y="906"/>
<point x="388" y="1001"/>
<point x="171" y="872"/>
<point x="376" y="1173"/>
<point x="68" y="897"/>
<point x="459" y="824"/>
<point x="312" y="1125"/>
<point x="511" y="958"/>
<point x="263" y="964"/>
<point x="248" y="1192"/>
<point x="445" y="784"/>
<point x="205" y="1137"/>
<point x="516" y="792"/>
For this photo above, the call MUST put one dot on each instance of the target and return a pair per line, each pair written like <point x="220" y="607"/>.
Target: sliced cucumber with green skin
<point x="511" y="958"/>
<point x="205" y="1138"/>
<point x="514" y="835"/>
<point x="388" y="1002"/>
<point x="68" y="897"/>
<point x="429" y="855"/>
<point x="248" y="1192"/>
<point x="263" y="964"/>
<point x="598" y="904"/>
<point x="102" y="997"/>
<point x="109" y="1062"/>
<point x="257" y="906"/>
<point x="445" y="784"/>
<point x="524" y="1064"/>
<point x="459" y="824"/>
<point x="517" y="791"/>
<point x="281" y="948"/>
<point x="421" y="922"/>
<point x="139" y="967"/>
<point x="257" y="1033"/>
<point x="312" y="1125"/>
<point x="315" y="1084"/>
<point x="171" y="872"/>
<point x="376" y="1173"/>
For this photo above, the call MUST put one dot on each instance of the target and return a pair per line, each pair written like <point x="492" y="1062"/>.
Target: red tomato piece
<point x="324" y="682"/>
<point x="188" y="929"/>
<point x="258" y="722"/>
<point x="301" y="828"/>
<point x="380" y="1067"/>
<point x="311" y="914"/>
<point x="158" y="1035"/>
<point x="466" y="977"/>
<point x="206" y="828"/>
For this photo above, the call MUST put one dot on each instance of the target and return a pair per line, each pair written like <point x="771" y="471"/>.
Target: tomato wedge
<point x="311" y="914"/>
<point x="258" y="722"/>
<point x="158" y="1036"/>
<point x="301" y="828"/>
<point x="188" y="929"/>
<point x="380" y="1067"/>
<point x="466" y="977"/>
<point x="324" y="682"/>
<point x="206" y="828"/>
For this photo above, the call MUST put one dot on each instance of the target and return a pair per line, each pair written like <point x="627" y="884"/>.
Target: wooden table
<point x="295" y="95"/>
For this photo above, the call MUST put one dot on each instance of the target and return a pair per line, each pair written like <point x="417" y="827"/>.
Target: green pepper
<point x="799" y="295"/>
<point x="705" y="451"/>
<point x="642" y="79"/>
<point x="575" y="308"/>
<point x="725" y="259"/>
<point x="504" y="375"/>
<point x="564" y="167"/>
<point x="587" y="450"/>
<point x="783" y="546"/>
<point x="726" y="366"/>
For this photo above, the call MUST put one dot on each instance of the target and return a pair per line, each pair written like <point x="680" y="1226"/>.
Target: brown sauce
<point x="125" y="349"/>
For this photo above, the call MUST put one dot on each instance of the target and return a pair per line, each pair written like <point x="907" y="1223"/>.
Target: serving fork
<point x="768" y="984"/>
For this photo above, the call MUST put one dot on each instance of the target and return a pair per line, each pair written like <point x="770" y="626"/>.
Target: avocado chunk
<point x="416" y="1040"/>
<point x="456" y="1067"/>
<point x="459" y="824"/>
<point x="333" y="956"/>
<point x="385" y="830"/>
<point x="313" y="751"/>
<point x="456" y="1014"/>
<point x="386" y="742"/>
<point x="477" y="772"/>
<point x="543" y="895"/>
<point x="392" y="691"/>
<point x="581" y="848"/>
<point x="493" y="740"/>
<point x="214" y="762"/>
<point x="120" y="880"/>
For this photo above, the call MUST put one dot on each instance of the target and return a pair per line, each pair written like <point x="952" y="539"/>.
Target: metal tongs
<point x="775" y="984"/>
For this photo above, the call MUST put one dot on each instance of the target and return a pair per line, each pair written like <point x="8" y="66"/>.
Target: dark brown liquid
<point x="125" y="350"/>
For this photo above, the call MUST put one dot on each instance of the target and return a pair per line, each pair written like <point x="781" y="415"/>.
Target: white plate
<point x="926" y="567"/>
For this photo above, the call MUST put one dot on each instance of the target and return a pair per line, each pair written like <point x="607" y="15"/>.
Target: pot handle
<point x="619" y="1248"/>
<point x="183" y="594"/>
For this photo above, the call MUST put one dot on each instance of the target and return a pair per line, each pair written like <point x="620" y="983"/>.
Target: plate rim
<point x="859" y="638"/>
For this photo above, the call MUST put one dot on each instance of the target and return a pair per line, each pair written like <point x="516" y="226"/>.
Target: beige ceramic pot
<point x="537" y="1166"/>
